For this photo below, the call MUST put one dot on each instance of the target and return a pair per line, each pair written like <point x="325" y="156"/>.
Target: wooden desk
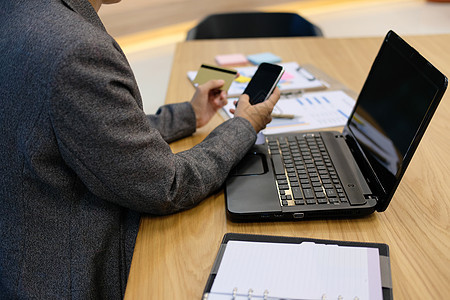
<point x="174" y="254"/>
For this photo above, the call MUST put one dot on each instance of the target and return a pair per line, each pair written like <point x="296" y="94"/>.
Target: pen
<point x="283" y="116"/>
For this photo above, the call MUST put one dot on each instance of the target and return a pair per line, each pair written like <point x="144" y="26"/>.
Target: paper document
<point x="298" y="271"/>
<point x="311" y="111"/>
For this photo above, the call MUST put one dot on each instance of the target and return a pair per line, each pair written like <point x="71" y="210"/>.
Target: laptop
<point x="327" y="174"/>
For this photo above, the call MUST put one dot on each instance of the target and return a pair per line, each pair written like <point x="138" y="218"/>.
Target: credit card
<point x="207" y="72"/>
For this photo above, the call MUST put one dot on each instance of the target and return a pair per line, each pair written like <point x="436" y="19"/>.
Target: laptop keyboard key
<point x="278" y="165"/>
<point x="320" y="195"/>
<point x="282" y="181"/>
<point x="297" y="193"/>
<point x="310" y="201"/>
<point x="308" y="193"/>
<point x="331" y="193"/>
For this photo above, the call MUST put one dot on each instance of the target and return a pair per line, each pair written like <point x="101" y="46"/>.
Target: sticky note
<point x="231" y="59"/>
<point x="242" y="79"/>
<point x="207" y="72"/>
<point x="287" y="76"/>
<point x="259" y="58"/>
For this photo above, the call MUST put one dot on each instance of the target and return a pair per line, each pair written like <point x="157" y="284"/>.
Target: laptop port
<point x="298" y="215"/>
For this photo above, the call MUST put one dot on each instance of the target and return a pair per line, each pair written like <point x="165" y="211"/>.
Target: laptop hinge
<point x="376" y="189"/>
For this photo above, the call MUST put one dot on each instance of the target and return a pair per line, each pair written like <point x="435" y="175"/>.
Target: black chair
<point x="252" y="25"/>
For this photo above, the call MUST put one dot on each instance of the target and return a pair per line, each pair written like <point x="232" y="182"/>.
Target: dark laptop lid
<point x="396" y="103"/>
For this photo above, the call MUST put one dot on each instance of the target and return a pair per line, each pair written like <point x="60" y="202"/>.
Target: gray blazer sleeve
<point x="121" y="154"/>
<point x="174" y="121"/>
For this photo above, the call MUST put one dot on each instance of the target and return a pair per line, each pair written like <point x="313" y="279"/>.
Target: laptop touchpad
<point x="251" y="164"/>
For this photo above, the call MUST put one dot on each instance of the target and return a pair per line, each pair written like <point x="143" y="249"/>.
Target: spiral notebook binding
<point x="250" y="296"/>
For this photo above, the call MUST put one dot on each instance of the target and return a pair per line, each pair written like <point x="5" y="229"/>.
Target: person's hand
<point x="208" y="98"/>
<point x="259" y="115"/>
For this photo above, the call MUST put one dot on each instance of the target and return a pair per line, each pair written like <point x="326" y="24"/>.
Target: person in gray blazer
<point x="80" y="160"/>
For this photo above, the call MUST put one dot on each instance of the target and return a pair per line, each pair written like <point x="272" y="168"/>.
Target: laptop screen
<point x="394" y="102"/>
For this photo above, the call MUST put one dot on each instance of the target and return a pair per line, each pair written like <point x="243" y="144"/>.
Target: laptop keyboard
<point x="304" y="171"/>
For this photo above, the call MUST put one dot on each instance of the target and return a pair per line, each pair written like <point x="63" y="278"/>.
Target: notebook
<point x="348" y="174"/>
<point x="276" y="267"/>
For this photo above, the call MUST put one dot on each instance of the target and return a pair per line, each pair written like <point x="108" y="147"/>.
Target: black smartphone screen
<point x="263" y="82"/>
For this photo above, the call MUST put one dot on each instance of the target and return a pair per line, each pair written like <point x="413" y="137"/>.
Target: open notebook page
<point x="299" y="271"/>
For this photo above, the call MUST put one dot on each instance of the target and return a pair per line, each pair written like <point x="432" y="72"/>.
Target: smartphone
<point x="263" y="82"/>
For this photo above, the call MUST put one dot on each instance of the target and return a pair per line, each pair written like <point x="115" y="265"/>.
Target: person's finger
<point x="212" y="84"/>
<point x="268" y="105"/>
<point x="273" y="99"/>
<point x="245" y="98"/>
<point x="221" y="102"/>
<point x="222" y="95"/>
